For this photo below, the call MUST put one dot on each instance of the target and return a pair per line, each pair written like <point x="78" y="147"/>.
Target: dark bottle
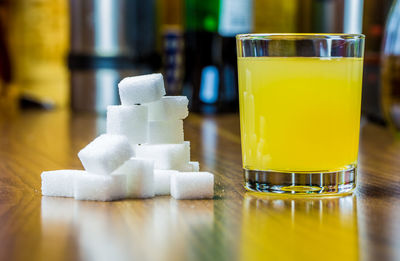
<point x="201" y="24"/>
<point x="235" y="18"/>
<point x="170" y="18"/>
<point x="375" y="14"/>
<point x="391" y="69"/>
<point x="210" y="52"/>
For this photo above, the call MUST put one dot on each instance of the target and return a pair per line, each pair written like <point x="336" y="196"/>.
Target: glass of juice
<point x="300" y="104"/>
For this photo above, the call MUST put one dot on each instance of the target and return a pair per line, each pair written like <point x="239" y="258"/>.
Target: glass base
<point x="302" y="183"/>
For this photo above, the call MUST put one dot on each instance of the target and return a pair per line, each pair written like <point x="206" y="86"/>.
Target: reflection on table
<point x="284" y="228"/>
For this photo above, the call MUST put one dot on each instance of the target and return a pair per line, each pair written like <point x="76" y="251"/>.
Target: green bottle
<point x="202" y="15"/>
<point x="201" y="54"/>
<point x="210" y="66"/>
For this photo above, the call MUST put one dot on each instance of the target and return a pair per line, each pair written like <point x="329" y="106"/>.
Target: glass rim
<point x="298" y="36"/>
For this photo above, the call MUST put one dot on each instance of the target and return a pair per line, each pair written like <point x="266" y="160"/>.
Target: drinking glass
<point x="300" y="103"/>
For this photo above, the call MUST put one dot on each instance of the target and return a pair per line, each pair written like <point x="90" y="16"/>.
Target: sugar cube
<point x="99" y="187"/>
<point x="162" y="181"/>
<point x="165" y="156"/>
<point x="192" y="185"/>
<point x="59" y="183"/>
<point x="140" y="177"/>
<point x="195" y="166"/>
<point x="105" y="153"/>
<point x="129" y="121"/>
<point x="186" y="167"/>
<point x="191" y="166"/>
<point x="141" y="89"/>
<point x="165" y="132"/>
<point x="187" y="149"/>
<point x="168" y="108"/>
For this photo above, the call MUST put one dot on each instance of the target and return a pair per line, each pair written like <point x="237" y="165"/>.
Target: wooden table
<point x="234" y="226"/>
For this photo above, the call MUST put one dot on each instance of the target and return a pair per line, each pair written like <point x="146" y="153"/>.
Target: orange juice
<point x="299" y="113"/>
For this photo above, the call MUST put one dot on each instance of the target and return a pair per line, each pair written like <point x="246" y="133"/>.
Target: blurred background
<point x="72" y="53"/>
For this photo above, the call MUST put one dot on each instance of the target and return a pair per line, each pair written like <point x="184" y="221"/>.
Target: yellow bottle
<point x="276" y="16"/>
<point x="38" y="39"/>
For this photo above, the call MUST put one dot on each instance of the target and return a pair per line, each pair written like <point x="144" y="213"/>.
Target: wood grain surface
<point x="234" y="226"/>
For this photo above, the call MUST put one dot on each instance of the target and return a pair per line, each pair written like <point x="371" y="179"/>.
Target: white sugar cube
<point x="141" y="89"/>
<point x="192" y="185"/>
<point x="187" y="149"/>
<point x="140" y="177"/>
<point x="165" y="156"/>
<point x="191" y="166"/>
<point x="186" y="167"/>
<point x="195" y="166"/>
<point x="168" y="108"/>
<point x="99" y="187"/>
<point x="129" y="121"/>
<point x="162" y="181"/>
<point x="165" y="132"/>
<point x="105" y="153"/>
<point x="59" y="183"/>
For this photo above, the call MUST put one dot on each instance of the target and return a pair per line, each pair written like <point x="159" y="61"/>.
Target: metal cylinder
<point x="110" y="39"/>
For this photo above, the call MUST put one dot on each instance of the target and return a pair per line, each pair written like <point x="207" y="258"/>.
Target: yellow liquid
<point x="299" y="113"/>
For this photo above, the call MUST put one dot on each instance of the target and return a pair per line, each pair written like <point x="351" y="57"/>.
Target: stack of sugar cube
<point x="143" y="153"/>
